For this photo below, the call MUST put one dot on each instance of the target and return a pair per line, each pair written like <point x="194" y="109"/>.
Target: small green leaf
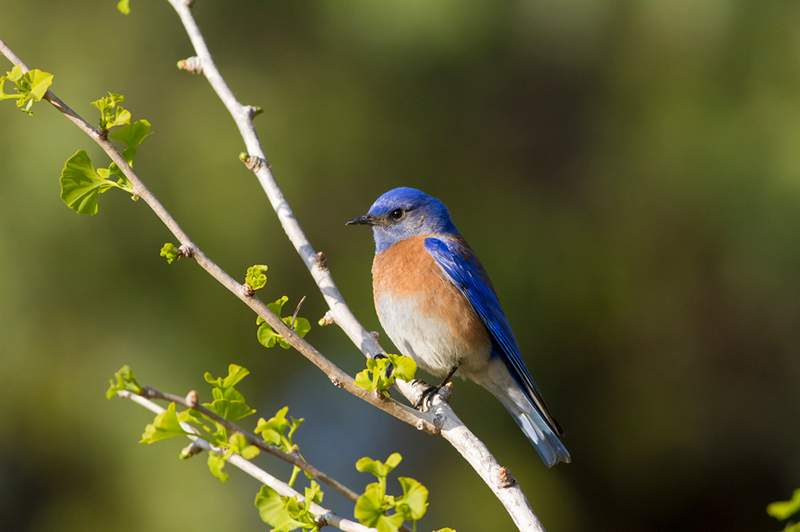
<point x="132" y="135"/>
<point x="371" y="507"/>
<point x="228" y="402"/>
<point x="414" y="502"/>
<point x="124" y="7"/>
<point x="216" y="465"/>
<point x="445" y="529"/>
<point x="785" y="509"/>
<point x="30" y="86"/>
<point x="81" y="185"/>
<point x="382" y="372"/>
<point x="266" y="334"/>
<point x="283" y="513"/>
<point x="279" y="430"/>
<point x="164" y="426"/>
<point x="377" y="468"/>
<point x="256" y="276"/>
<point x="112" y="114"/>
<point x="170" y="252"/>
<point x="124" y="379"/>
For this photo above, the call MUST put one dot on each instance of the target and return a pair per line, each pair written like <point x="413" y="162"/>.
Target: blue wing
<point x="466" y="273"/>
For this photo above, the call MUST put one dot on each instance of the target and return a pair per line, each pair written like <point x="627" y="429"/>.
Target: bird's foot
<point x="425" y="401"/>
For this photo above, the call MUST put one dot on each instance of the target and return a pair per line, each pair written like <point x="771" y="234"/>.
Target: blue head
<point x="404" y="213"/>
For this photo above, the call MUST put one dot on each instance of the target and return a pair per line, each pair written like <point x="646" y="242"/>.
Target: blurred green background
<point x="628" y="172"/>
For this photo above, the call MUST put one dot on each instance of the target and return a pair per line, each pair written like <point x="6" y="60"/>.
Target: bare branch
<point x="294" y="458"/>
<point x="323" y="515"/>
<point x="452" y="428"/>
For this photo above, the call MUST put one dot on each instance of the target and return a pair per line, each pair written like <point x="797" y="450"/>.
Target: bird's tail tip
<point x="547" y="444"/>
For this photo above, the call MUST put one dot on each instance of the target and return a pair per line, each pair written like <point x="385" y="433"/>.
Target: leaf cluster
<point x="387" y="513"/>
<point x="28" y="87"/>
<point x="266" y="334"/>
<point x="288" y="513"/>
<point x="382" y="371"/>
<point x="82" y="183"/>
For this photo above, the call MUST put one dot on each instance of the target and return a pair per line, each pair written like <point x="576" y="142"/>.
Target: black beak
<point x="361" y="220"/>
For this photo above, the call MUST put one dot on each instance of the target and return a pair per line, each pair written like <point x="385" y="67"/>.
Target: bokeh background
<point x="629" y="173"/>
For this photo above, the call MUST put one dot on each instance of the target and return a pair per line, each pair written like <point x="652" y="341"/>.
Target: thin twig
<point x="293" y="458"/>
<point x="323" y="515"/>
<point x="452" y="428"/>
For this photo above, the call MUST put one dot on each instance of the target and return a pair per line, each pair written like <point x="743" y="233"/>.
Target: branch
<point x="323" y="515"/>
<point x="294" y="458"/>
<point x="337" y="376"/>
<point x="452" y="428"/>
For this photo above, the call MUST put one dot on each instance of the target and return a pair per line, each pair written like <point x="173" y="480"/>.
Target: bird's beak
<point x="362" y="220"/>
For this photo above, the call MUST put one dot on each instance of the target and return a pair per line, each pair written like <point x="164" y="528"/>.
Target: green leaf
<point x="81" y="185"/>
<point x="216" y="465"/>
<point x="377" y="468"/>
<point x="445" y="529"/>
<point x="256" y="276"/>
<point x="382" y="372"/>
<point x="132" y="135"/>
<point x="283" y="513"/>
<point x="124" y="379"/>
<point x="30" y="86"/>
<point x="785" y="509"/>
<point x="414" y="502"/>
<point x="228" y="402"/>
<point x="371" y="507"/>
<point x="279" y="430"/>
<point x="124" y="7"/>
<point x="236" y="374"/>
<point x="266" y="334"/>
<point x="164" y="426"/>
<point x="170" y="252"/>
<point x="239" y="444"/>
<point x="404" y="367"/>
<point x="112" y="114"/>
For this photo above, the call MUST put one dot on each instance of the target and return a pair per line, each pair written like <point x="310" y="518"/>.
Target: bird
<point x="437" y="305"/>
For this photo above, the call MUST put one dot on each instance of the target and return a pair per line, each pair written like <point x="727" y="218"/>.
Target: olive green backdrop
<point x="628" y="172"/>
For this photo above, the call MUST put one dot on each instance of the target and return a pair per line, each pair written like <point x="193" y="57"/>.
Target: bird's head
<point x="403" y="213"/>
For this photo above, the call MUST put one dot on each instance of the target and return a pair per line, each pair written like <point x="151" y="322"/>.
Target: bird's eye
<point x="396" y="214"/>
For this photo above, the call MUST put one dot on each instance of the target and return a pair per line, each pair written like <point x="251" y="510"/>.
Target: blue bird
<point x="436" y="303"/>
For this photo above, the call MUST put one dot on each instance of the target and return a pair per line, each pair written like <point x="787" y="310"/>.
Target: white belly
<point x="429" y="341"/>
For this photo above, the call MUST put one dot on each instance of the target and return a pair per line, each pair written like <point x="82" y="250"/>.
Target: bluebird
<point x="436" y="303"/>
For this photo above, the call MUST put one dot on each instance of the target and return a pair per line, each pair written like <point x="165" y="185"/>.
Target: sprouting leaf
<point x="81" y="184"/>
<point x="287" y="513"/>
<point x="266" y="334"/>
<point x="227" y="401"/>
<point x="445" y="529"/>
<point x="382" y="372"/>
<point x="785" y="509"/>
<point x="124" y="7"/>
<point x="236" y="374"/>
<point x="371" y="508"/>
<point x="30" y="86"/>
<point x="216" y="465"/>
<point x="279" y="430"/>
<point x="132" y="135"/>
<point x="239" y="444"/>
<point x="414" y="502"/>
<point x="256" y="276"/>
<point x="170" y="252"/>
<point x="112" y="114"/>
<point x="378" y="469"/>
<point x="164" y="426"/>
<point x="124" y="379"/>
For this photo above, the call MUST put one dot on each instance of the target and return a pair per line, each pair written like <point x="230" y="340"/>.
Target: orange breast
<point x="407" y="269"/>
